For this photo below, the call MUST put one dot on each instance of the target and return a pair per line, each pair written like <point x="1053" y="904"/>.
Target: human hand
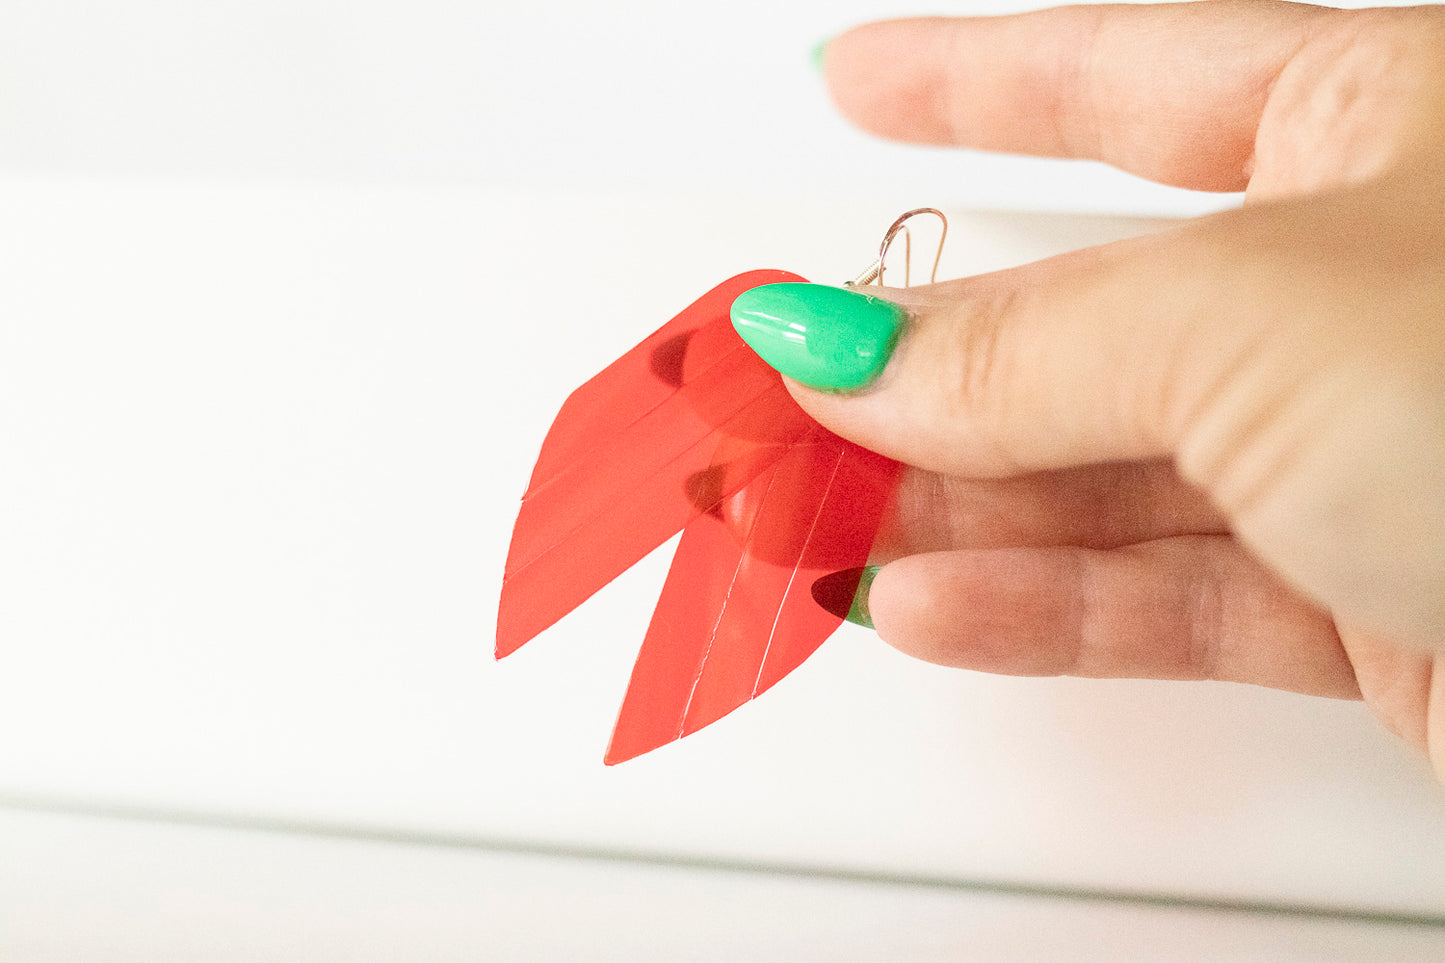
<point x="1217" y="451"/>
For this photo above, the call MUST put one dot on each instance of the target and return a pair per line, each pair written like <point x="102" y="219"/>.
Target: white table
<point x="261" y="450"/>
<point x="84" y="889"/>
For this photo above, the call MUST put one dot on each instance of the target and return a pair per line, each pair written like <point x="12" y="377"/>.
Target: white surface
<point x="261" y="453"/>
<point x="104" y="891"/>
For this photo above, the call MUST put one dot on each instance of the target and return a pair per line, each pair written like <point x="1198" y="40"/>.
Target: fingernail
<point x="845" y="594"/>
<point x="816" y="54"/>
<point x="832" y="339"/>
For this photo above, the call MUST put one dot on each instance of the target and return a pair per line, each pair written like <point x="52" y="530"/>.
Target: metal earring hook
<point x="873" y="274"/>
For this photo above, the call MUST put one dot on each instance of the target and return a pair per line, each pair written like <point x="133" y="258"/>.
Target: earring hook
<point x="873" y="274"/>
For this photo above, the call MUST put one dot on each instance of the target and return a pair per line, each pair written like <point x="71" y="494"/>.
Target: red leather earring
<point x="690" y="431"/>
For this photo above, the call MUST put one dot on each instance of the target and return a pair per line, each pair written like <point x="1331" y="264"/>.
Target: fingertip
<point x="896" y="598"/>
<point x="967" y="610"/>
<point x="876" y="77"/>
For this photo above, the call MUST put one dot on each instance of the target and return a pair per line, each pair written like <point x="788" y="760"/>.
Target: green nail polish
<point x="858" y="612"/>
<point x="832" y="339"/>
<point x="845" y="594"/>
<point x="816" y="55"/>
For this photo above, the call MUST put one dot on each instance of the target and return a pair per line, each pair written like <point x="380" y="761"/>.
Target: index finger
<point x="1172" y="92"/>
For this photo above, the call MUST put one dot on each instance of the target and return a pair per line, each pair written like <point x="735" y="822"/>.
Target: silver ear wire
<point x="873" y="274"/>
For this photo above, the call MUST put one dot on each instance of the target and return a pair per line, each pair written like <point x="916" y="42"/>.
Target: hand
<point x="1217" y="451"/>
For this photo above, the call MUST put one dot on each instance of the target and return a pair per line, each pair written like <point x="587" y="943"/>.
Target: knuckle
<point x="974" y="365"/>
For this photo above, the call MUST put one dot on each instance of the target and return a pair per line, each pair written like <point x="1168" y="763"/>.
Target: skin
<point x="1215" y="452"/>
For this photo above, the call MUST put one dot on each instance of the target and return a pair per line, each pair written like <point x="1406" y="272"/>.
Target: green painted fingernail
<point x="858" y="612"/>
<point x="816" y="54"/>
<point x="845" y="594"/>
<point x="832" y="339"/>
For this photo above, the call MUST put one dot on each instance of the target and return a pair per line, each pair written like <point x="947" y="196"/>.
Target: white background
<point x="289" y="293"/>
<point x="637" y="95"/>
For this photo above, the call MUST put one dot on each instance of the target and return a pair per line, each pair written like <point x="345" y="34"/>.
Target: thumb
<point x="1068" y="361"/>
